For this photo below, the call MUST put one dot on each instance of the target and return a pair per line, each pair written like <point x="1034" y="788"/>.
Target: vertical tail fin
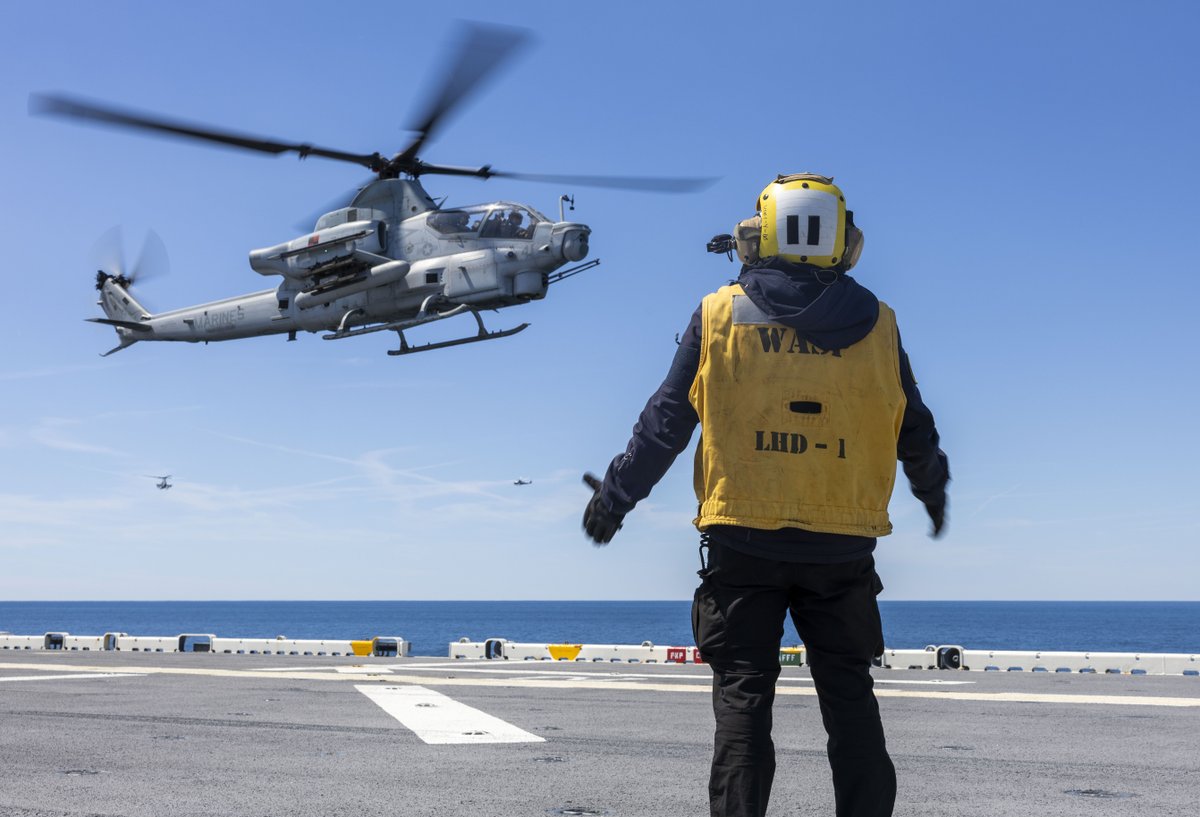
<point x="123" y="312"/>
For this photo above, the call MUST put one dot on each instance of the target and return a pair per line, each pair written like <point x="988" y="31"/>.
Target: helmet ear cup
<point x="746" y="236"/>
<point x="854" y="246"/>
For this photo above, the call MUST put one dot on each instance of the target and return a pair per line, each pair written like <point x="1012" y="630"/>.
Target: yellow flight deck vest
<point x="794" y="436"/>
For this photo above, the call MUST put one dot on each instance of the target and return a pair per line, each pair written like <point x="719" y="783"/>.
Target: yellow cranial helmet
<point x="804" y="220"/>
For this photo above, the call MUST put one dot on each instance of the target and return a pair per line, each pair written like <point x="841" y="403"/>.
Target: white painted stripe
<point x="601" y="683"/>
<point x="1034" y="698"/>
<point x="435" y="718"/>
<point x="567" y="674"/>
<point x="74" y="675"/>
<point x="364" y="670"/>
<point x="650" y="686"/>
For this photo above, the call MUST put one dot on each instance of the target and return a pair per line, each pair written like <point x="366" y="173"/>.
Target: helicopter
<point x="163" y="483"/>
<point x="523" y="482"/>
<point x="390" y="260"/>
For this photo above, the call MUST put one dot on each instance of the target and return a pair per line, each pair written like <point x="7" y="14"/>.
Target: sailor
<point x="806" y="399"/>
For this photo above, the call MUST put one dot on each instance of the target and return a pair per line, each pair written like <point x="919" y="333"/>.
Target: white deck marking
<point x="567" y="675"/>
<point x="76" y="675"/>
<point x="665" y="683"/>
<point x="435" y="718"/>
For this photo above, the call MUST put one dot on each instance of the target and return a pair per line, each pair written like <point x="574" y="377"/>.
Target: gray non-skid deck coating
<point x="195" y="734"/>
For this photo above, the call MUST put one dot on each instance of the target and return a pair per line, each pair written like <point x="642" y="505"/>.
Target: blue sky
<point x="1025" y="175"/>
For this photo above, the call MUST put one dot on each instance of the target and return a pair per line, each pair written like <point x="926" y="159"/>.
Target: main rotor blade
<point x="76" y="108"/>
<point x="480" y="51"/>
<point x="419" y="168"/>
<point x="653" y="184"/>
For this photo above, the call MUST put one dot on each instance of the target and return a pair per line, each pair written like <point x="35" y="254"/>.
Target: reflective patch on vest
<point x="775" y="337"/>
<point x="745" y="311"/>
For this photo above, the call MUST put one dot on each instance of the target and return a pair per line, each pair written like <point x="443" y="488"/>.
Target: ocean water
<point x="431" y="625"/>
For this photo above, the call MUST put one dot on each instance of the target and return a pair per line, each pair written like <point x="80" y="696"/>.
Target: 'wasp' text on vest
<point x="776" y="339"/>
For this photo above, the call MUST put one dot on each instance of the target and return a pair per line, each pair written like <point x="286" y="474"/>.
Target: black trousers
<point x="737" y="618"/>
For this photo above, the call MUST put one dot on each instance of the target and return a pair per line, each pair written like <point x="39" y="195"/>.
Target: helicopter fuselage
<point x="393" y="259"/>
<point x="365" y="268"/>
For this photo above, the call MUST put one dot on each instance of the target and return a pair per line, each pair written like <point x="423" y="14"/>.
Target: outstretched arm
<point x="663" y="430"/>
<point x="918" y="449"/>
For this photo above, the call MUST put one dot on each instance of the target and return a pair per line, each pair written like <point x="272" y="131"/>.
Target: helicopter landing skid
<point x="483" y="334"/>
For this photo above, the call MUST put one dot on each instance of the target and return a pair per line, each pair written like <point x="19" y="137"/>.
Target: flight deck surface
<point x="149" y="734"/>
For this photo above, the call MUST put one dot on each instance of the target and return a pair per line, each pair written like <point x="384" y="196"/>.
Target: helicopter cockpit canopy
<point x="504" y="220"/>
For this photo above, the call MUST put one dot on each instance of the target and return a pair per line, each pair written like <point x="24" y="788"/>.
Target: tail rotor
<point x="123" y="313"/>
<point x="109" y="256"/>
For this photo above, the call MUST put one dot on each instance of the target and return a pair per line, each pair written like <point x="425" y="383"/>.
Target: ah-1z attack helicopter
<point x="390" y="260"/>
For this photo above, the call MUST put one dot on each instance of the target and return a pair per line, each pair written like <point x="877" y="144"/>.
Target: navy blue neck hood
<point x="829" y="314"/>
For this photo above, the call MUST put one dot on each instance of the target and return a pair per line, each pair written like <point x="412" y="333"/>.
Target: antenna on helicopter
<point x="569" y="200"/>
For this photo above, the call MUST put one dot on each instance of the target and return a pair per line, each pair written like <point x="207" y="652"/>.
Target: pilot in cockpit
<point x="452" y="221"/>
<point x="511" y="226"/>
<point x="458" y="222"/>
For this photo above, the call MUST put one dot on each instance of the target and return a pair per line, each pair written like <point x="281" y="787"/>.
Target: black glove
<point x="599" y="521"/>
<point x="937" y="514"/>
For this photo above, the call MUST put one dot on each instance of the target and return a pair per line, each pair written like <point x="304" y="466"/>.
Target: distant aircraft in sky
<point x="523" y="482"/>
<point x="163" y="484"/>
